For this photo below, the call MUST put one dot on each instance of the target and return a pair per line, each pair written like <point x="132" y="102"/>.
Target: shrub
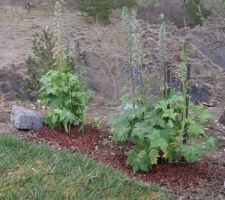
<point x="102" y="9"/>
<point x="64" y="94"/>
<point x="133" y="3"/>
<point x="98" y="9"/>
<point x="158" y="133"/>
<point x="43" y="58"/>
<point x="194" y="9"/>
<point x="125" y="3"/>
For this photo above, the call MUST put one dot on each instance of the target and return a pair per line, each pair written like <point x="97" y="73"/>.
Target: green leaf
<point x="167" y="134"/>
<point x="170" y="123"/>
<point x="140" y="130"/>
<point x="64" y="94"/>
<point x="161" y="123"/>
<point x="191" y="153"/>
<point x="169" y="154"/>
<point x="169" y="113"/>
<point x="153" y="156"/>
<point x="121" y="135"/>
<point x="210" y="142"/>
<point x="161" y="105"/>
<point x="201" y="112"/>
<point x="195" y="129"/>
<point x="156" y="141"/>
<point x="139" y="160"/>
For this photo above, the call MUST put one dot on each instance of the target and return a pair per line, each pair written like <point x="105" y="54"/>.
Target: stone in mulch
<point x="26" y="119"/>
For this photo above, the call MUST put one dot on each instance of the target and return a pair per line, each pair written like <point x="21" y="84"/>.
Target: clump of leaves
<point x="62" y="92"/>
<point x="164" y="130"/>
<point x="157" y="132"/>
<point x="96" y="122"/>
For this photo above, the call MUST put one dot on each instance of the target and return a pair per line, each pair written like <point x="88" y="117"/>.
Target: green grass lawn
<point x="30" y="172"/>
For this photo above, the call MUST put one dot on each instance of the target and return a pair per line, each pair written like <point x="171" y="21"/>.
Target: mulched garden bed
<point x="201" y="180"/>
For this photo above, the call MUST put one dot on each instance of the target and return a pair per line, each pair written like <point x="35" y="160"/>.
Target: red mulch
<point x="97" y="144"/>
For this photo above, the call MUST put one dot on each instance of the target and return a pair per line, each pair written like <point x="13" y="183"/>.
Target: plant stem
<point x="188" y="76"/>
<point x="185" y="76"/>
<point x="168" y="78"/>
<point x="163" y="57"/>
<point x="132" y="82"/>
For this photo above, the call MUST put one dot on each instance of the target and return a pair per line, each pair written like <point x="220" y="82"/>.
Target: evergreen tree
<point x="98" y="9"/>
<point x="194" y="12"/>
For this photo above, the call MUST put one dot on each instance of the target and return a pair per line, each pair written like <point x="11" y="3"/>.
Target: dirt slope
<point x="103" y="48"/>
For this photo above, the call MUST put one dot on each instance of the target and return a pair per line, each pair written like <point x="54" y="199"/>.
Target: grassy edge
<point x="22" y="155"/>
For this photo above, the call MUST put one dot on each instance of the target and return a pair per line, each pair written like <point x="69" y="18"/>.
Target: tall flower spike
<point x="162" y="41"/>
<point x="135" y="67"/>
<point x="163" y="51"/>
<point x="59" y="51"/>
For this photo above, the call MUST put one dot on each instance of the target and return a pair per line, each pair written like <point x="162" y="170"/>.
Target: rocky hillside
<point x="103" y="49"/>
<point x="38" y="3"/>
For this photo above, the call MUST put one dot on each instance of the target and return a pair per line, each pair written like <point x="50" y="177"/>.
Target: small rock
<point x="26" y="119"/>
<point x="125" y="108"/>
<point x="35" y="26"/>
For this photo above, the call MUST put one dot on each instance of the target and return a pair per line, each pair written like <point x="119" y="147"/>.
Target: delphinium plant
<point x="48" y="53"/>
<point x="169" y="129"/>
<point x="136" y="81"/>
<point x="162" y="44"/>
<point x="61" y="90"/>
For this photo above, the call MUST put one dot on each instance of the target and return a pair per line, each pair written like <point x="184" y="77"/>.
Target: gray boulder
<point x="26" y="119"/>
<point x="125" y="108"/>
